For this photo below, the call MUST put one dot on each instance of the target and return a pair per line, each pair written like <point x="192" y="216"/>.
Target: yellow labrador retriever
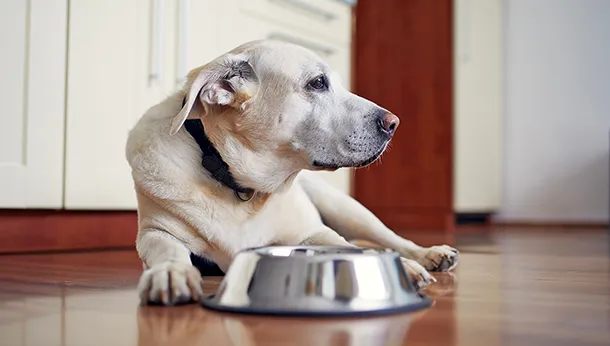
<point x="225" y="164"/>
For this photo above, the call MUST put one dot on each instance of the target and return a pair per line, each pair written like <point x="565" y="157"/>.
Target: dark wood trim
<point x="404" y="222"/>
<point x="48" y="230"/>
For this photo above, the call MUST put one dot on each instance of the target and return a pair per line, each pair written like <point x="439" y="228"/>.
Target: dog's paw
<point x="170" y="283"/>
<point x="418" y="274"/>
<point x="439" y="258"/>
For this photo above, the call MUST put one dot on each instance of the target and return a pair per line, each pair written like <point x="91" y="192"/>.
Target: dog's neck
<point x="212" y="160"/>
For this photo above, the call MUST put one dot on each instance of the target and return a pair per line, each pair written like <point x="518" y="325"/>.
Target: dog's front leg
<point x="328" y="237"/>
<point x="169" y="277"/>
<point x="352" y="220"/>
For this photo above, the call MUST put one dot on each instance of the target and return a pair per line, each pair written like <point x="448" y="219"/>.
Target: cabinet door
<point x="117" y="63"/>
<point x="478" y="105"/>
<point x="32" y="66"/>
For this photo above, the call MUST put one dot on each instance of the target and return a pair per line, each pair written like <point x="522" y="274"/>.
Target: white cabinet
<point x="237" y="21"/>
<point x="32" y="66"/>
<point x="76" y="76"/>
<point x="119" y="63"/>
<point x="322" y="18"/>
<point x="478" y="105"/>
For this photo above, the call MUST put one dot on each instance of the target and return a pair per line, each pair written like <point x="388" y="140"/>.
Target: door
<point x="119" y="62"/>
<point x="406" y="66"/>
<point x="32" y="66"/>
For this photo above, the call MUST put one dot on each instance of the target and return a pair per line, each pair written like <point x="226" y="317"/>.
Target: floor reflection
<point x="188" y="326"/>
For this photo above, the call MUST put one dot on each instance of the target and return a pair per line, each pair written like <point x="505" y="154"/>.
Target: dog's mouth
<point x="372" y="158"/>
<point x="320" y="165"/>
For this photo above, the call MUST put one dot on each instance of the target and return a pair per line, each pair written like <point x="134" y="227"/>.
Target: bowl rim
<point x="339" y="251"/>
<point x="423" y="302"/>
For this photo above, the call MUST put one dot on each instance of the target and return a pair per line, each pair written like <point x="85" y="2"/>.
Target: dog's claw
<point x="418" y="274"/>
<point x="170" y="283"/>
<point x="439" y="258"/>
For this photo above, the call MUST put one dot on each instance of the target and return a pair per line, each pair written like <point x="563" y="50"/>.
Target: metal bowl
<point x="316" y="281"/>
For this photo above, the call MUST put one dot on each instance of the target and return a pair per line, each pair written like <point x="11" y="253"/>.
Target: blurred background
<point x="504" y="105"/>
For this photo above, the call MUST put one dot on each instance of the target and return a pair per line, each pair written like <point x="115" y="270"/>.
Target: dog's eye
<point x="319" y="83"/>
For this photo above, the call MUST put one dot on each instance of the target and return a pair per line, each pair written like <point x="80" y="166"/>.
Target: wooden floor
<point x="512" y="287"/>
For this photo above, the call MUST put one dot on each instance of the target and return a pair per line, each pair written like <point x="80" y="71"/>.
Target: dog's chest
<point x="285" y="219"/>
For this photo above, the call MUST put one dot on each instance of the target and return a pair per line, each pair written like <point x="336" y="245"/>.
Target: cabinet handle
<point x="156" y="73"/>
<point x="182" y="64"/>
<point x="302" y="5"/>
<point x="325" y="50"/>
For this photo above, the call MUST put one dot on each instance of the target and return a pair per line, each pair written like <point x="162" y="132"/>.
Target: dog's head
<point x="273" y="109"/>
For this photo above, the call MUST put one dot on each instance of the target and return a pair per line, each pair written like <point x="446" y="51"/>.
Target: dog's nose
<point x="389" y="123"/>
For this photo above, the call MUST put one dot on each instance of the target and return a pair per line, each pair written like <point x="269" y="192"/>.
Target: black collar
<point x="213" y="162"/>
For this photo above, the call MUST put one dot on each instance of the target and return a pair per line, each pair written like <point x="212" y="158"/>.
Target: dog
<point x="228" y="162"/>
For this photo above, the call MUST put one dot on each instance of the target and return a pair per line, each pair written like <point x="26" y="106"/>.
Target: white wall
<point x="557" y="110"/>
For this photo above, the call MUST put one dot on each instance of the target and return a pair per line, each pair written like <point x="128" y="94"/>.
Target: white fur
<point x="270" y="131"/>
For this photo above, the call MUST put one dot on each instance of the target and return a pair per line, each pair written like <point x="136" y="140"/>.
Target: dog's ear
<point x="230" y="82"/>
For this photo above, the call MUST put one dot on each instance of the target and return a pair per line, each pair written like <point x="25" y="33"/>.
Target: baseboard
<point x="24" y="231"/>
<point x="464" y="219"/>
<point x="551" y="225"/>
<point x="402" y="221"/>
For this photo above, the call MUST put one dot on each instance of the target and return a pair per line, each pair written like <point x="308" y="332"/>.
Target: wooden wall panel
<point x="35" y="231"/>
<point x="403" y="61"/>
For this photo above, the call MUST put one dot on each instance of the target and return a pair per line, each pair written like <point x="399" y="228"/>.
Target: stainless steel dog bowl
<point x="316" y="281"/>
